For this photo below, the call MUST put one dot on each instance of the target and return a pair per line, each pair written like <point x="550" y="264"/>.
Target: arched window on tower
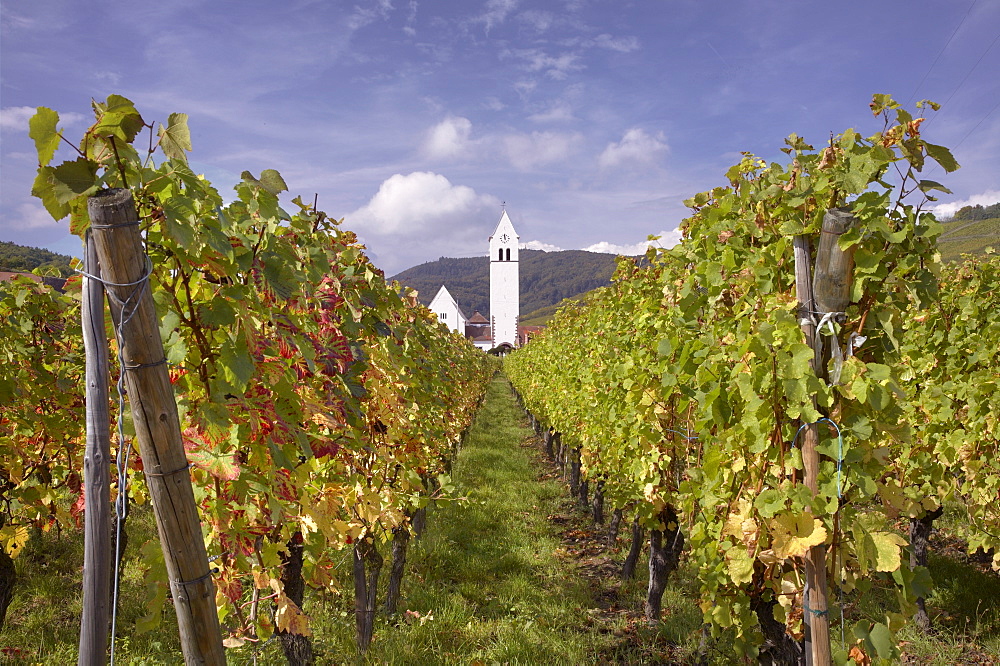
<point x="508" y="254"/>
<point x="500" y="258"/>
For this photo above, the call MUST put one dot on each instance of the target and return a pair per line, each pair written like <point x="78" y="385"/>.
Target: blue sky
<point x="414" y="120"/>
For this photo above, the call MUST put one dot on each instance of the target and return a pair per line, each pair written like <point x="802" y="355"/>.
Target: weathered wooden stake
<point x="834" y="267"/>
<point x="817" y="623"/>
<point x="116" y="234"/>
<point x="828" y="293"/>
<point x="96" y="472"/>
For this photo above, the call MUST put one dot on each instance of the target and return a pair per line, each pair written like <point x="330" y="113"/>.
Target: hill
<point x="971" y="231"/>
<point x="546" y="278"/>
<point x="24" y="259"/>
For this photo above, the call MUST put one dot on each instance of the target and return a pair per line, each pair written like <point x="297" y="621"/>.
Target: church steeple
<point x="504" y="239"/>
<point x="504" y="282"/>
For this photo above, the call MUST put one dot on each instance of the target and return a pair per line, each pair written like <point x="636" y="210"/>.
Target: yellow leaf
<point x="14" y="538"/>
<point x="308" y="524"/>
<point x="740" y="565"/>
<point x="290" y="618"/>
<point x="261" y="580"/>
<point x="887" y="550"/>
<point x="734" y="524"/>
<point x="793" y="536"/>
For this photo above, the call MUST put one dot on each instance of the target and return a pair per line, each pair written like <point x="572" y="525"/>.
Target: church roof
<point x="504" y="223"/>
<point x="444" y="297"/>
<point x="478" y="318"/>
<point x="57" y="283"/>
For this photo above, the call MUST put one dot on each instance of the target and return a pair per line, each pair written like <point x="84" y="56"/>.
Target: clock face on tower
<point x="504" y="238"/>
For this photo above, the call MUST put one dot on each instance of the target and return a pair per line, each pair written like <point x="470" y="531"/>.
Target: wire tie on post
<point x="176" y="471"/>
<point x="141" y="366"/>
<point x="115" y="226"/>
<point x="817" y="613"/>
<point x="196" y="581"/>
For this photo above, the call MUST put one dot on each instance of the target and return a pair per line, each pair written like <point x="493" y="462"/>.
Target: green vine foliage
<point x="41" y="457"/>
<point x="686" y="382"/>
<point x="319" y="404"/>
<point x="950" y="363"/>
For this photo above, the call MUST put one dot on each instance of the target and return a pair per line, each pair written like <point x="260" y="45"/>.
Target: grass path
<point x="485" y="583"/>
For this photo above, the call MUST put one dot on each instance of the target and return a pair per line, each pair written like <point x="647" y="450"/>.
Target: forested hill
<point x="24" y="259"/>
<point x="546" y="278"/>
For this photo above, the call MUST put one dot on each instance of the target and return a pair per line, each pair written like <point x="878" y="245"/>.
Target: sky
<point x="416" y="121"/>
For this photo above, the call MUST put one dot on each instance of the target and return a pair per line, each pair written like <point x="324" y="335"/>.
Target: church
<point x="501" y="330"/>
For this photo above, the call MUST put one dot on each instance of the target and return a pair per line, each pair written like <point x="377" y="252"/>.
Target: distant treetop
<point x="978" y="212"/>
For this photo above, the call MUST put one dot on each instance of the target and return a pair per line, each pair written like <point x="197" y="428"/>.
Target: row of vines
<point x="320" y="405"/>
<point x="683" y="389"/>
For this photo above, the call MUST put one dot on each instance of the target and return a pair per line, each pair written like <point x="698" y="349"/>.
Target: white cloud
<point x="556" y="67"/>
<point x="947" y="210"/>
<point x="525" y="88"/>
<point x="363" y="16"/>
<point x="494" y="104"/>
<point x="667" y="239"/>
<point x="16" y="117"/>
<point x="32" y="215"/>
<point x="537" y="19"/>
<point x="108" y="78"/>
<point x="411" y="19"/>
<point x="621" y="44"/>
<point x="417" y="203"/>
<point x="449" y="138"/>
<point x="636" y="146"/>
<point x="556" y="113"/>
<point x="496" y="12"/>
<point x="529" y="150"/>
<point x="539" y="245"/>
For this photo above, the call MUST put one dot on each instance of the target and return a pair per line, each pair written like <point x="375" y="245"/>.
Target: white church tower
<point x="505" y="291"/>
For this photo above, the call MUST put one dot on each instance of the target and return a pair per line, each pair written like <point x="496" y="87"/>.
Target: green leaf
<point x="118" y="118"/>
<point x="272" y="181"/>
<point x="279" y="276"/>
<point x="45" y="190"/>
<point x="878" y="371"/>
<point x="769" y="502"/>
<point x="42" y="129"/>
<point x="929" y="185"/>
<point x="175" y="138"/>
<point x="73" y="179"/>
<point x="881" y="639"/>
<point x="237" y="366"/>
<point x="942" y="156"/>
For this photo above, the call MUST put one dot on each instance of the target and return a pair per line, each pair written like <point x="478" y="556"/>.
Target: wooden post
<point x="827" y="294"/>
<point x="96" y="472"/>
<point x="815" y="615"/>
<point x="115" y="224"/>
<point x="834" y="267"/>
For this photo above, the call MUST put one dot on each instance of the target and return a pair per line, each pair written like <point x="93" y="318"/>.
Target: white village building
<point x="446" y="308"/>
<point x="501" y="329"/>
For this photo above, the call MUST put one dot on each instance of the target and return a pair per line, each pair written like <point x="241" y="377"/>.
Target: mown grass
<point x="43" y="622"/>
<point x="494" y="580"/>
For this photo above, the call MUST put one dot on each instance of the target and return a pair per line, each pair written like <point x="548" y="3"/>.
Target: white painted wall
<point x="447" y="310"/>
